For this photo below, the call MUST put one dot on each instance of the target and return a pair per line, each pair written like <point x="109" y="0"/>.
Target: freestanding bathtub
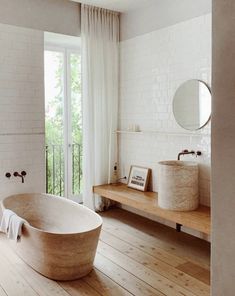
<point x="60" y="239"/>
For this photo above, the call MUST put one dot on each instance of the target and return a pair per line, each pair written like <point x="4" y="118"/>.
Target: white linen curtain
<point x="100" y="52"/>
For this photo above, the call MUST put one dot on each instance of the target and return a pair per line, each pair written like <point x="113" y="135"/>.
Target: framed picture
<point x="138" y="178"/>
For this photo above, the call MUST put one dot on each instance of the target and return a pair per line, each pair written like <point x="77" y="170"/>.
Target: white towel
<point x="15" y="228"/>
<point x="11" y="224"/>
<point x="6" y="220"/>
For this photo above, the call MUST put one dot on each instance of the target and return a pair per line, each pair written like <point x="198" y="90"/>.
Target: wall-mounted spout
<point x="185" y="152"/>
<point x="21" y="175"/>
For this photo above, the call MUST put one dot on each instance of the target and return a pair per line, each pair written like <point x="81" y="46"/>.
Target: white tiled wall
<point x="21" y="109"/>
<point x="152" y="67"/>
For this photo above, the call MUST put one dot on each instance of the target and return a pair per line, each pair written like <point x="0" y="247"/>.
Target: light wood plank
<point x="46" y="287"/>
<point x="107" y="287"/>
<point x="129" y="282"/>
<point x="171" y="273"/>
<point x="196" y="271"/>
<point x="180" y="244"/>
<point x="145" y="246"/>
<point x="147" y="202"/>
<point x="12" y="282"/>
<point x="41" y="285"/>
<point x="79" y="288"/>
<point x="140" y="271"/>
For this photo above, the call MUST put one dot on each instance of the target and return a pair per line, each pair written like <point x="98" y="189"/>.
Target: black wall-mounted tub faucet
<point x="21" y="175"/>
<point x="186" y="152"/>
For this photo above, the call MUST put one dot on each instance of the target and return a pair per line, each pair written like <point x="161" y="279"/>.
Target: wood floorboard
<point x="142" y="272"/>
<point x="79" y="288"/>
<point x="12" y="281"/>
<point x="195" y="271"/>
<point x="145" y="246"/>
<point x="179" y="244"/>
<point x="105" y="285"/>
<point x="134" y="257"/>
<point x="125" y="279"/>
<point x="41" y="285"/>
<point x="175" y="275"/>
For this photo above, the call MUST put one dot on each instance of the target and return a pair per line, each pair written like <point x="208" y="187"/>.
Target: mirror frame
<point x="209" y="117"/>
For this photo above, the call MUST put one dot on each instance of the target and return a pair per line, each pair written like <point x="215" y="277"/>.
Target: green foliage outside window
<point x="55" y="128"/>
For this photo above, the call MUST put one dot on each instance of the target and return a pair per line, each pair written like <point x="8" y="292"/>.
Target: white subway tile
<point x="21" y="109"/>
<point x="152" y="67"/>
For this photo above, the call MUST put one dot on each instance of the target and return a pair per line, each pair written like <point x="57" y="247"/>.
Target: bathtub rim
<point x="28" y="225"/>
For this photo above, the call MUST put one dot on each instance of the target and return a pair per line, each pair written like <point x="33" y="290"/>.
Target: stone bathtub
<point x="61" y="237"/>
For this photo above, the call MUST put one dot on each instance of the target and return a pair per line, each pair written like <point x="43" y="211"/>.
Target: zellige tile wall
<point x="22" y="134"/>
<point x="152" y="68"/>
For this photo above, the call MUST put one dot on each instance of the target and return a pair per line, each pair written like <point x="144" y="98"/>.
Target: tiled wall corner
<point x="152" y="67"/>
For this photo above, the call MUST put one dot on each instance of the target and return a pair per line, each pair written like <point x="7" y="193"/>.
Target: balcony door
<point x="63" y="122"/>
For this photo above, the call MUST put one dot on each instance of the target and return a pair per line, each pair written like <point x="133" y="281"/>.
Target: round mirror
<point x="192" y="105"/>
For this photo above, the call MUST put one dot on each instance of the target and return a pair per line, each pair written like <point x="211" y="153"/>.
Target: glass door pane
<point x="75" y="127"/>
<point x="54" y="109"/>
<point x="63" y="123"/>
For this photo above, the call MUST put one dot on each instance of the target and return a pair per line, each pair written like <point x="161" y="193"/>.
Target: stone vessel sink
<point x="178" y="185"/>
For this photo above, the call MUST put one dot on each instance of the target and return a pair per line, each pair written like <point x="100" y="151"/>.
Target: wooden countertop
<point x="199" y="219"/>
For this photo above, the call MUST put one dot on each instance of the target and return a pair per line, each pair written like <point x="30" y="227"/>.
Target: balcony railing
<point x="55" y="176"/>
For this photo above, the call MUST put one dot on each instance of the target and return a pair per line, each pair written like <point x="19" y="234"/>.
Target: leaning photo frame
<point x="138" y="178"/>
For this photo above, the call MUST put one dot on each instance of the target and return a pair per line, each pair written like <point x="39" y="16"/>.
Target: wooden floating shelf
<point x="147" y="202"/>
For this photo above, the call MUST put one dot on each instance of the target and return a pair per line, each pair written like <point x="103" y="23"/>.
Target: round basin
<point x="178" y="185"/>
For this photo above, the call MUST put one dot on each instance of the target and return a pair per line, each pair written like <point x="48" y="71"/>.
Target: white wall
<point x="21" y="109"/>
<point x="58" y="16"/>
<point x="153" y="65"/>
<point x="223" y="147"/>
<point x="22" y="114"/>
<point x="160" y="14"/>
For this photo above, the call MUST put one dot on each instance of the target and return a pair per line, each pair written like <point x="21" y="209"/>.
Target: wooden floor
<point x="135" y="257"/>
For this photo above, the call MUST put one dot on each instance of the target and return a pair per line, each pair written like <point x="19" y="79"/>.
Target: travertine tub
<point x="61" y="237"/>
